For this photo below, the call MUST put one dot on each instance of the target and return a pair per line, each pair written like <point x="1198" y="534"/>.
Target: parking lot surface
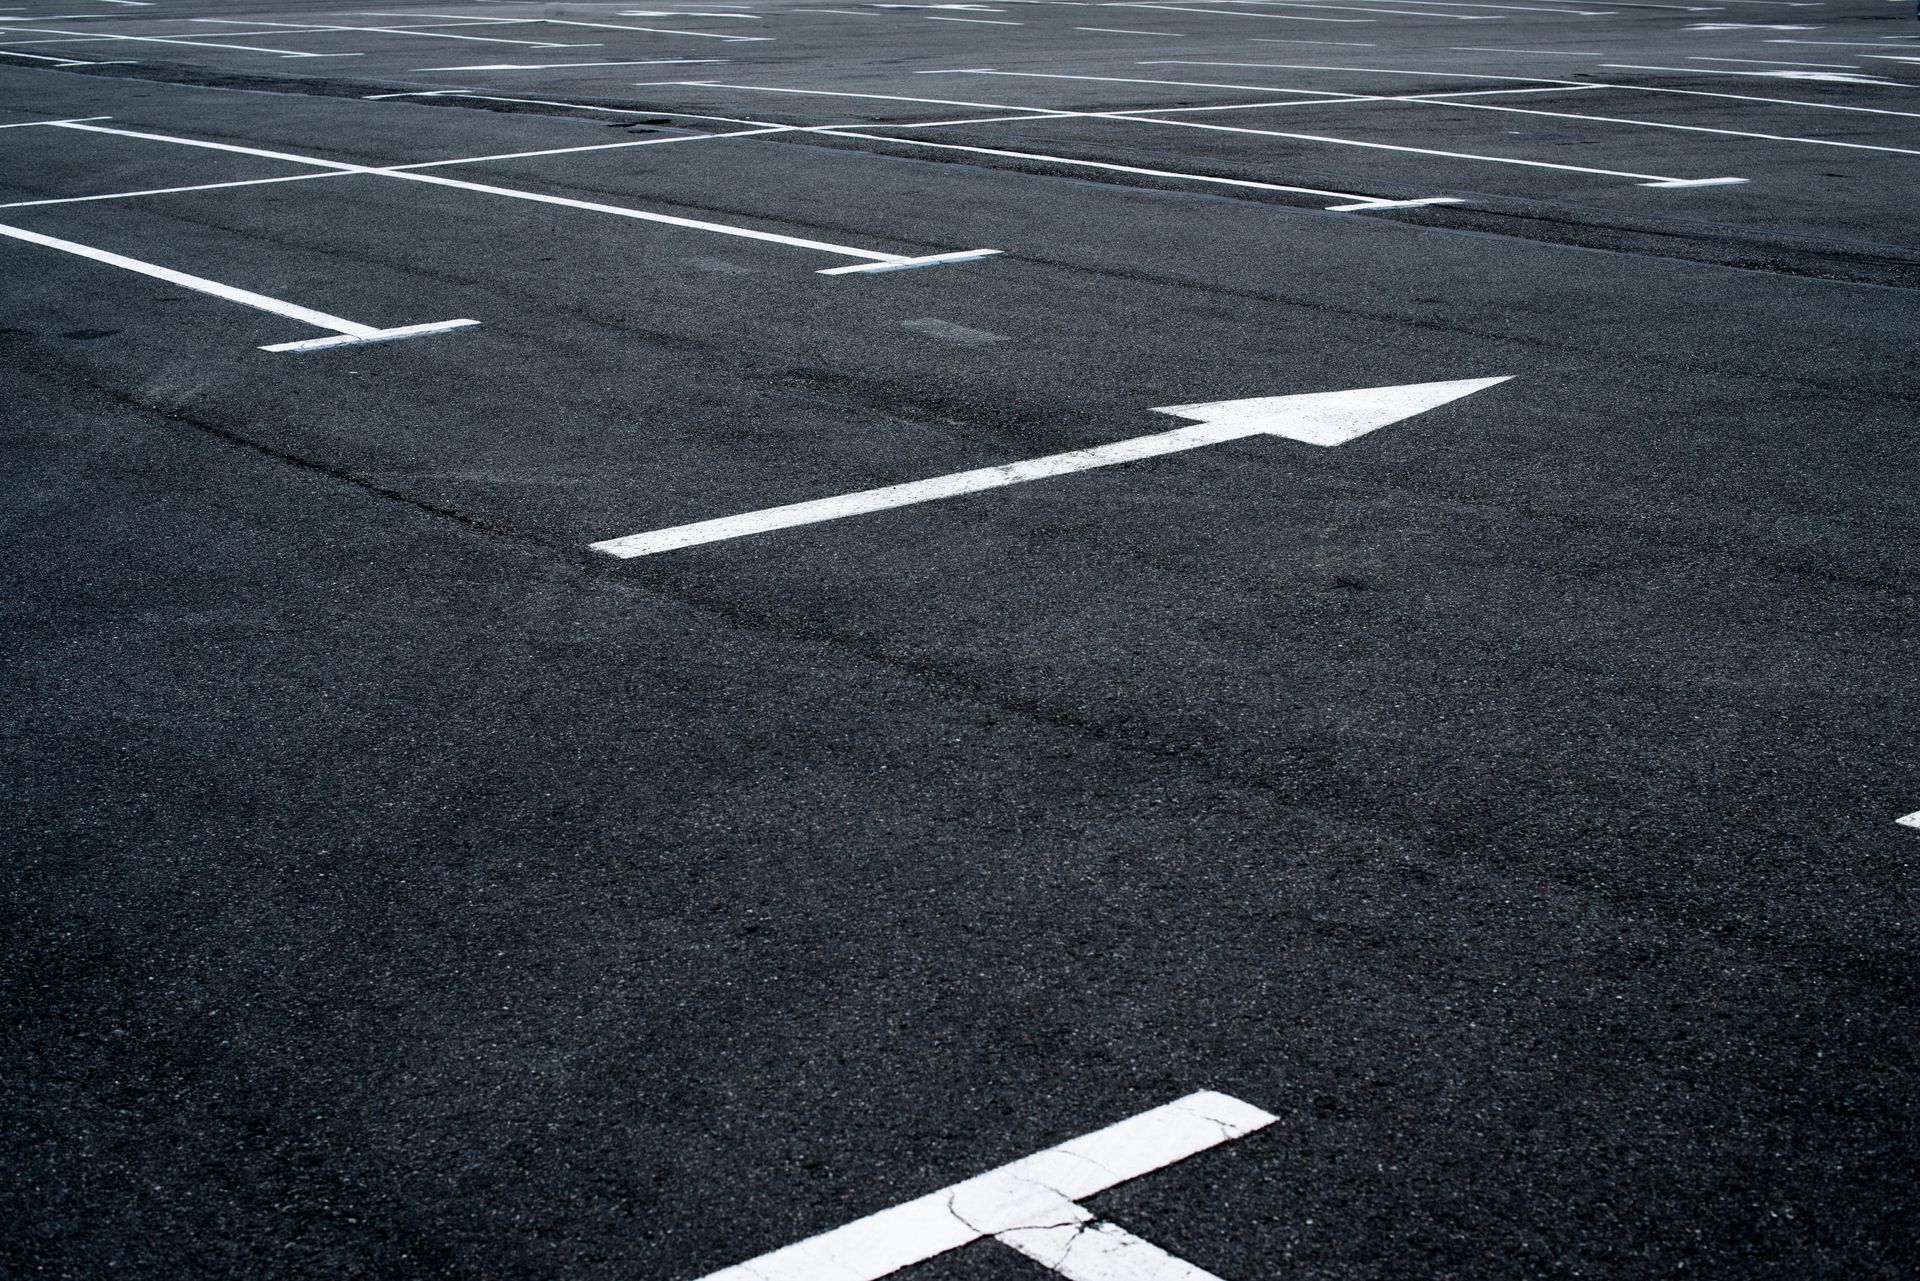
<point x="1253" y="638"/>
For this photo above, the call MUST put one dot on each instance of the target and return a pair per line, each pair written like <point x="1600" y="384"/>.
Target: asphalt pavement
<point x="615" y="662"/>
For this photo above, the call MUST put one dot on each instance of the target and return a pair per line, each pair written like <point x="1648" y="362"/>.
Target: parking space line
<point x="1821" y="76"/>
<point x="173" y="191"/>
<point x="1026" y="1204"/>
<point x="1547" y="80"/>
<point x="344" y="331"/>
<point x="1351" y="201"/>
<point x="71" y="120"/>
<point x="291" y="28"/>
<point x="658" y="31"/>
<point x="84" y="37"/>
<point x="1661" y="124"/>
<point x="1290" y="17"/>
<point x="1351" y="8"/>
<point x="1643" y="179"/>
<point x="881" y="261"/>
<point x="554" y="66"/>
<point x="1318" y="418"/>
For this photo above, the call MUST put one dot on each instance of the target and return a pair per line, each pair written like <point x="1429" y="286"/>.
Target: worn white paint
<point x="1319" y="418"/>
<point x="1029" y="1205"/>
<point x="345" y="331"/>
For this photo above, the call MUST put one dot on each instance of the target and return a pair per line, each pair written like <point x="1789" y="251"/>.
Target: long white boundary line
<point x="1288" y="17"/>
<point x="878" y="261"/>
<point x="79" y="37"/>
<point x="1351" y="201"/>
<point x="1029" y="1205"/>
<point x="1543" y="80"/>
<point x="1642" y="179"/>
<point x="423" y="164"/>
<point x="1434" y="100"/>
<point x="345" y="331"/>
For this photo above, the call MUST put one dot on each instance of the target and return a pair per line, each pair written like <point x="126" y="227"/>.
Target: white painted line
<point x="1823" y="76"/>
<point x="71" y="120"/>
<point x="1122" y="31"/>
<point x="1909" y="820"/>
<point x="79" y="37"/>
<point x="45" y="57"/>
<point x="658" y="31"/>
<point x="908" y="264"/>
<point x="1661" y="124"/>
<point x="1776" y="62"/>
<point x="347" y="331"/>
<point x="847" y="131"/>
<point x="1396" y="204"/>
<point x="1644" y="179"/>
<point x="372" y="336"/>
<point x="553" y="66"/>
<point x="881" y="97"/>
<point x="1345" y="44"/>
<point x="881" y="261"/>
<point x="1029" y="1205"/>
<point x="596" y="146"/>
<point x="172" y="191"/>
<point x="1321" y="418"/>
<point x="1109" y="166"/>
<point x="1353" y="8"/>
<point x="1549" y="53"/>
<point x="1289" y="17"/>
<point x="1574" y="84"/>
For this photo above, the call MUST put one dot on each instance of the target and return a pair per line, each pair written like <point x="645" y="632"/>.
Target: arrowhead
<point x="1329" y="417"/>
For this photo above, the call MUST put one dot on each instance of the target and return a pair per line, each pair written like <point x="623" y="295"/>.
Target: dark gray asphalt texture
<point x="1506" y="800"/>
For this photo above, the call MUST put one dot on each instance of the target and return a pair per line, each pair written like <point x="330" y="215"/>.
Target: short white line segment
<point x="1318" y="418"/>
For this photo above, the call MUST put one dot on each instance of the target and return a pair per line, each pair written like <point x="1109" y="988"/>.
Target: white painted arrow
<point x="1318" y="418"/>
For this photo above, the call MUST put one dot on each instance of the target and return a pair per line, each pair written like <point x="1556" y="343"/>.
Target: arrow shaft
<point x="922" y="491"/>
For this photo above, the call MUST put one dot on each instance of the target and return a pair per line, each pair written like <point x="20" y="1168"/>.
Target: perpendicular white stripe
<point x="245" y="297"/>
<point x="1023" y="1197"/>
<point x="919" y="491"/>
